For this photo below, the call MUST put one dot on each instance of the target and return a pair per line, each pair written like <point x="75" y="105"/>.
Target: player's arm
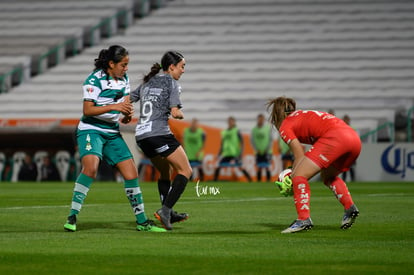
<point x="203" y="139"/>
<point x="90" y="109"/>
<point x="128" y="117"/>
<point x="239" y="135"/>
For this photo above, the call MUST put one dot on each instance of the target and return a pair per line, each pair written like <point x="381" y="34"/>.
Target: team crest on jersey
<point x="89" y="89"/>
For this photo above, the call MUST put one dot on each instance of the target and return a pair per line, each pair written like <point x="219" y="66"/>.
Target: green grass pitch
<point x="234" y="228"/>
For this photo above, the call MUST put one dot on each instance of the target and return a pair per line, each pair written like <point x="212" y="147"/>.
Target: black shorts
<point x="265" y="158"/>
<point x="158" y="146"/>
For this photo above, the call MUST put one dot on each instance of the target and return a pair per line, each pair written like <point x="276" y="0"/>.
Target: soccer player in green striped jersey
<point x="105" y="97"/>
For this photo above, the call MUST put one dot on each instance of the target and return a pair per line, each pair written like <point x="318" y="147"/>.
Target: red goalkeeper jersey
<point x="308" y="126"/>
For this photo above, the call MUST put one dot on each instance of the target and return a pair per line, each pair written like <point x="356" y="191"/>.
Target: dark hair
<point x="114" y="53"/>
<point x="170" y="57"/>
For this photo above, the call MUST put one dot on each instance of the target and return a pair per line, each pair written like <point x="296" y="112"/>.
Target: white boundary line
<point x="198" y="200"/>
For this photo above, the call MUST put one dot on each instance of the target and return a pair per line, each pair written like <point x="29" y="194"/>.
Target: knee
<point x="328" y="180"/>
<point x="90" y="172"/>
<point x="188" y="171"/>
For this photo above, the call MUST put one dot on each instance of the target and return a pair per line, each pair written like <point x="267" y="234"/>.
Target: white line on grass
<point x="181" y="202"/>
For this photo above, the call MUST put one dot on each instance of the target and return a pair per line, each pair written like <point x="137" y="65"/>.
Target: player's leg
<point x="134" y="195"/>
<point x="201" y="172"/>
<point x="217" y="173"/>
<point x="90" y="148"/>
<point x="164" y="186"/>
<point x="337" y="185"/>
<point x="340" y="190"/>
<point x="259" y="169"/>
<point x="116" y="153"/>
<point x="179" y="161"/>
<point x="246" y="174"/>
<point x="83" y="183"/>
<point x="346" y="149"/>
<point x="304" y="170"/>
<point x="164" y="182"/>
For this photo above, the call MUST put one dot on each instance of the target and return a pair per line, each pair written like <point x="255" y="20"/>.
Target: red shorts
<point x="339" y="147"/>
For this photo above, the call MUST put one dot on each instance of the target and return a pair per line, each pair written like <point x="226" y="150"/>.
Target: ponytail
<point x="102" y="61"/>
<point x="155" y="69"/>
<point x="279" y="109"/>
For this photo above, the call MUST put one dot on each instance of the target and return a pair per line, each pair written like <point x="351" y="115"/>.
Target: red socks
<point x="301" y="195"/>
<point x="341" y="192"/>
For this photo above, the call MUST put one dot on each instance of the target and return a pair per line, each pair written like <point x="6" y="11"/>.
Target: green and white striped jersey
<point x="103" y="90"/>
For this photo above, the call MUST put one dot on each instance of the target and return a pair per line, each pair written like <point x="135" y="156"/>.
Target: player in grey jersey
<point x="159" y="97"/>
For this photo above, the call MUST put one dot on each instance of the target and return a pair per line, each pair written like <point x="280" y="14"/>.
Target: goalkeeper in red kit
<point x="335" y="147"/>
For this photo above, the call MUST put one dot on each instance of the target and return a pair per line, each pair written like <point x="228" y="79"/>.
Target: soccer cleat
<point x="349" y="217"/>
<point x="70" y="224"/>
<point x="164" y="216"/>
<point x="149" y="226"/>
<point x="299" y="225"/>
<point x="178" y="217"/>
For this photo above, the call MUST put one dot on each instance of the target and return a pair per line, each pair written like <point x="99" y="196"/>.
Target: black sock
<point x="201" y="174"/>
<point x="163" y="188"/>
<point x="247" y="175"/>
<point x="177" y="188"/>
<point x="259" y="174"/>
<point x="268" y="176"/>
<point x="216" y="173"/>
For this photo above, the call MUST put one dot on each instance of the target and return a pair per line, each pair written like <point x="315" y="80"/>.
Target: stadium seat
<point x="355" y="57"/>
<point x="62" y="161"/>
<point x="2" y="164"/>
<point x="38" y="159"/>
<point x="17" y="161"/>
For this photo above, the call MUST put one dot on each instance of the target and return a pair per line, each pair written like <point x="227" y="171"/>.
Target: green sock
<point x="82" y="185"/>
<point x="134" y="195"/>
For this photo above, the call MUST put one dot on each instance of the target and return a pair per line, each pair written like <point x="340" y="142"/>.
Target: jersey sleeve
<point x="175" y="95"/>
<point x="91" y="89"/>
<point x="134" y="95"/>
<point x="286" y="132"/>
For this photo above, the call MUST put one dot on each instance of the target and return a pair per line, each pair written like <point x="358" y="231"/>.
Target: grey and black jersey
<point x="156" y="98"/>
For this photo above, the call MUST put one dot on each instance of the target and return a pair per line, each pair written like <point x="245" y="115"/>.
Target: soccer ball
<point x="285" y="173"/>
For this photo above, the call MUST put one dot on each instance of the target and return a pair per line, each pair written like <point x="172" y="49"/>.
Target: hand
<point x="285" y="186"/>
<point x="126" y="119"/>
<point x="177" y="113"/>
<point x="126" y="108"/>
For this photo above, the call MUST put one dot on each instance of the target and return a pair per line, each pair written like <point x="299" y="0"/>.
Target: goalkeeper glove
<point x="284" y="183"/>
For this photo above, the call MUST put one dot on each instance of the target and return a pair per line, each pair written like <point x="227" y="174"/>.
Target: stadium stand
<point x="47" y="32"/>
<point x="352" y="56"/>
<point x="3" y="161"/>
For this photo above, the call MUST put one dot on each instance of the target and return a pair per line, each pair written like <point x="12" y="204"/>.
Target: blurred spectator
<point x="48" y="170"/>
<point x="231" y="149"/>
<point x="286" y="153"/>
<point x="28" y="170"/>
<point x="262" y="141"/>
<point x="193" y="143"/>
